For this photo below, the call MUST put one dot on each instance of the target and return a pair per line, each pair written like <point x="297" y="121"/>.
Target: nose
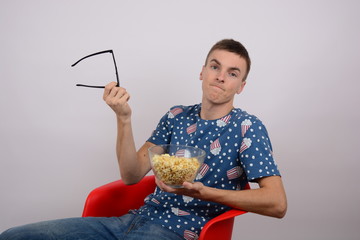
<point x="221" y="76"/>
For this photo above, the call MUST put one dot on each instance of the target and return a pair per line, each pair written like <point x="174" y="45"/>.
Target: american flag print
<point x="179" y="212"/>
<point x="233" y="173"/>
<point x="175" y="112"/>
<point x="191" y="129"/>
<point x="223" y="121"/>
<point x="215" y="147"/>
<point x="189" y="235"/>
<point x="180" y="153"/>
<point x="226" y="119"/>
<point x="155" y="201"/>
<point x="246" y="143"/>
<point x="203" y="170"/>
<point x="245" y="125"/>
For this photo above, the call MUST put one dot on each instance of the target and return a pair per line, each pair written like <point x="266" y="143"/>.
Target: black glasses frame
<point x="91" y="55"/>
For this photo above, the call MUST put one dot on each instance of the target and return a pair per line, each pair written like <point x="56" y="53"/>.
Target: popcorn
<point x="174" y="170"/>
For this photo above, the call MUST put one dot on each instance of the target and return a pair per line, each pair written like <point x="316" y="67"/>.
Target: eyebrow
<point x="232" y="68"/>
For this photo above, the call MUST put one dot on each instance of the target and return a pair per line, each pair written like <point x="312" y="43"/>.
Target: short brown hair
<point x="233" y="46"/>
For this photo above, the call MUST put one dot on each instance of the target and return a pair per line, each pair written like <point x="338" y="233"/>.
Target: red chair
<point x="116" y="198"/>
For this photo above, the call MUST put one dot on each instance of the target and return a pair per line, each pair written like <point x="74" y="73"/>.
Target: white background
<point x="57" y="141"/>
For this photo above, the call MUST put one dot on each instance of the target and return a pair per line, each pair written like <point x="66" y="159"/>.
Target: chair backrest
<point x="116" y="199"/>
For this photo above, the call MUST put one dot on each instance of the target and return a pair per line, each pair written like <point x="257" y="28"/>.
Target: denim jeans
<point x="129" y="226"/>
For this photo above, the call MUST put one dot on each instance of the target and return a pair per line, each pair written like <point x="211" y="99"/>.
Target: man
<point x="238" y="151"/>
<point x="223" y="75"/>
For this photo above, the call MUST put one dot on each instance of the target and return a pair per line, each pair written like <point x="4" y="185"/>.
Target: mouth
<point x="217" y="87"/>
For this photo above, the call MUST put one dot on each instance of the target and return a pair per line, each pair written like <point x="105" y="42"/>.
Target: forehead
<point x="228" y="59"/>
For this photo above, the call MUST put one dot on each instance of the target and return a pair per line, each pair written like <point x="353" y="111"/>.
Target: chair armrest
<point x="221" y="226"/>
<point x="116" y="198"/>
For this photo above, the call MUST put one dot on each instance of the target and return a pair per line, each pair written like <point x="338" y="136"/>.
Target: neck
<point x="212" y="111"/>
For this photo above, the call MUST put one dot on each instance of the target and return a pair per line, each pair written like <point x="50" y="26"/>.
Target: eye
<point x="214" y="67"/>
<point x="232" y="74"/>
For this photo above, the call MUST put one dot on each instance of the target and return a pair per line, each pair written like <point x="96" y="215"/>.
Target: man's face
<point x="222" y="77"/>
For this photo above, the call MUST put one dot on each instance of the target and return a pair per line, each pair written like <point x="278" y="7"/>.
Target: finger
<point x="188" y="185"/>
<point x="117" y="96"/>
<point x="159" y="183"/>
<point x="108" y="89"/>
<point x="120" y="92"/>
<point x="127" y="97"/>
<point x="165" y="187"/>
<point x="124" y="98"/>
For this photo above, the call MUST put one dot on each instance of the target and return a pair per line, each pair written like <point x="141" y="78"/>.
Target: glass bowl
<point x="174" y="164"/>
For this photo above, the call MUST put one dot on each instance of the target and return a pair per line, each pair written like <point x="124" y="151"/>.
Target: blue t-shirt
<point x="238" y="150"/>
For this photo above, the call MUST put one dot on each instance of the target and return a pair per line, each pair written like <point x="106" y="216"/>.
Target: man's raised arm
<point x="134" y="165"/>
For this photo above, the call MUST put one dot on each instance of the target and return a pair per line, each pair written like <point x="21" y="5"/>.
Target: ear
<point x="201" y="73"/>
<point x="241" y="87"/>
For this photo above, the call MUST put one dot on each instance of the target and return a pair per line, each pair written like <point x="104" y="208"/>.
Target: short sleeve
<point x="256" y="154"/>
<point x="162" y="133"/>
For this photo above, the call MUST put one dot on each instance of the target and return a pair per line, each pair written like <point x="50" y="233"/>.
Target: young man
<point x="237" y="145"/>
<point x="238" y="151"/>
